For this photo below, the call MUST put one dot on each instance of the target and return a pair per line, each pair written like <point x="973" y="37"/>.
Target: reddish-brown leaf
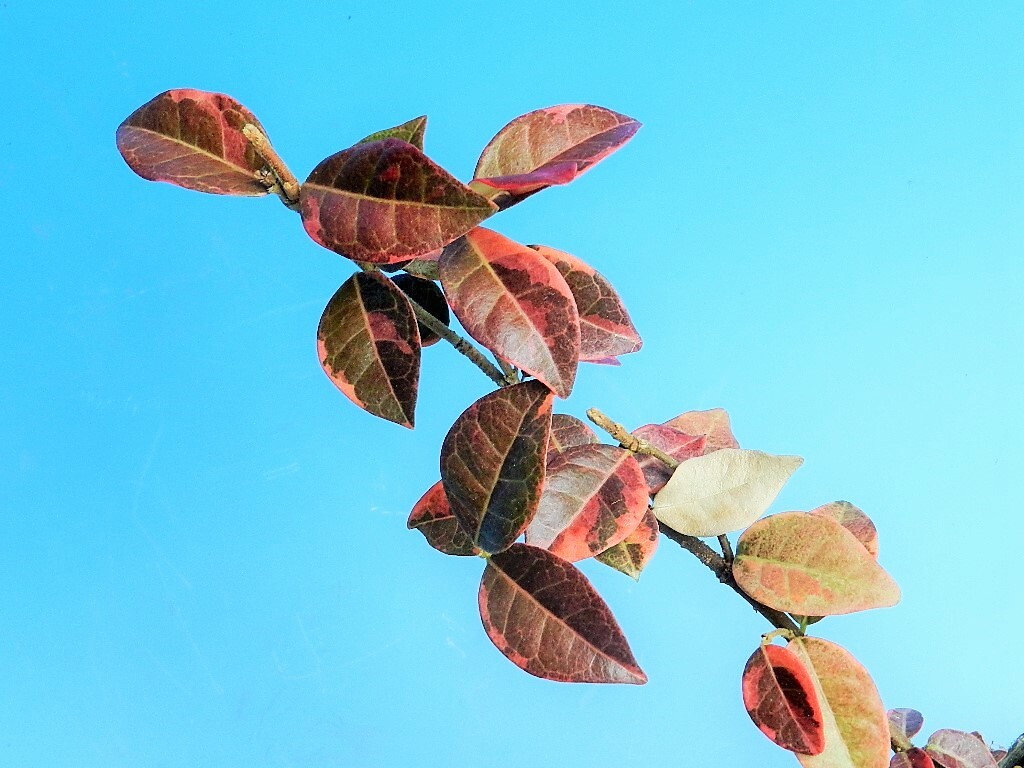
<point x="914" y="757"/>
<point x="412" y="132"/>
<point x="493" y="460"/>
<point x="679" y="445"/>
<point x="432" y="516"/>
<point x="957" y="749"/>
<point x="546" y="618"/>
<point x="594" y="497"/>
<point x="631" y="555"/>
<point x="193" y="139"/>
<point x="369" y="345"/>
<point x="550" y="146"/>
<point x="810" y="565"/>
<point x="605" y="328"/>
<point x="385" y="201"/>
<point x="904" y="725"/>
<point x="567" y="431"/>
<point x="853" y="520"/>
<point x="428" y="295"/>
<point x="515" y="303"/>
<point x="713" y="423"/>
<point x="781" y="700"/>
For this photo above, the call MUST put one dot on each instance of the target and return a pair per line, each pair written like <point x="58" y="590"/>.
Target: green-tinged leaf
<point x="722" y="491"/>
<point x="678" y="445"/>
<point x="386" y="201"/>
<point x="781" y="699"/>
<point x="904" y="725"/>
<point x="432" y="516"/>
<point x="853" y="520"/>
<point x="546" y="618"/>
<point x="811" y="565"/>
<point x="957" y="749"/>
<point x="515" y="303"/>
<point x="411" y="132"/>
<point x="428" y="295"/>
<point x="193" y="139"/>
<point x="605" y="328"/>
<point x="911" y="758"/>
<point x="493" y="461"/>
<point x="549" y="146"/>
<point x="631" y="555"/>
<point x="369" y="345"/>
<point x="714" y="424"/>
<point x="567" y="431"/>
<point x="594" y="497"/>
<point x="856" y="732"/>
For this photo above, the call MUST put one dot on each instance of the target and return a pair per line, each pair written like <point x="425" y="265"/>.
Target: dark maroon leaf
<point x="631" y="555"/>
<point x="594" y="497"/>
<point x="679" y="445"/>
<point x="386" y="201"/>
<point x="492" y="463"/>
<point x="428" y="295"/>
<point x="370" y="347"/>
<point x="567" y="431"/>
<point x="605" y="328"/>
<point x="781" y="699"/>
<point x="545" y="617"/>
<point x="432" y="516"/>
<point x="412" y="132"/>
<point x="515" y="303"/>
<point x="193" y="139"/>
<point x="911" y="758"/>
<point x="957" y="749"/>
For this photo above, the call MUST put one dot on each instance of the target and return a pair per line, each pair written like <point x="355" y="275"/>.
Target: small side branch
<point x="282" y="181"/>
<point x="629" y="441"/>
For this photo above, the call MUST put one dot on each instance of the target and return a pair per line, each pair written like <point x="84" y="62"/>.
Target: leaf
<point x="550" y="146"/>
<point x="722" y="491"/>
<point x="605" y="328"/>
<point x="781" y="699"/>
<point x="631" y="555"/>
<point x="956" y="749"/>
<point x="193" y="139"/>
<point x="370" y="348"/>
<point x="853" y="520"/>
<point x="515" y="303"/>
<point x="679" y="445"/>
<point x="411" y="132"/>
<point x="911" y="758"/>
<point x="386" y="201"/>
<point x="713" y="423"/>
<point x="904" y="725"/>
<point x="568" y="431"/>
<point x="594" y="497"/>
<point x="856" y="732"/>
<point x="432" y="516"/>
<point x="492" y="463"/>
<point x="811" y="565"/>
<point x="546" y="618"/>
<point x="428" y="295"/>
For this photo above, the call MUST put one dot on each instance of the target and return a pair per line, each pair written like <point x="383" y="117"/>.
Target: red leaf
<point x="912" y="758"/>
<point x="781" y="700"/>
<point x="412" y="132"/>
<point x="433" y="517"/>
<point x="956" y="749"/>
<point x="567" y="431"/>
<point x="853" y="520"/>
<point x="193" y="139"/>
<point x="679" y="445"/>
<point x="713" y="423"/>
<point x="594" y="497"/>
<point x="631" y="555"/>
<point x="546" y="618"/>
<point x="550" y="146"/>
<point x="904" y="725"/>
<point x="492" y="463"/>
<point x="605" y="328"/>
<point x="515" y="303"/>
<point x="386" y="201"/>
<point x="370" y="347"/>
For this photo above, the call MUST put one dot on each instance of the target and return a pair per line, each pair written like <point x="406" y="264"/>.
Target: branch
<point x="628" y="440"/>
<point x="282" y="181"/>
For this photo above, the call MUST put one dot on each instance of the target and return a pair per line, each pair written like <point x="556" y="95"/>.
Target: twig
<point x="284" y="184"/>
<point x="511" y="375"/>
<point x="629" y="441"/>
<point x="723" y="541"/>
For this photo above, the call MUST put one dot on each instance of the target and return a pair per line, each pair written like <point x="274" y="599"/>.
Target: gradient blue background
<point x="203" y="554"/>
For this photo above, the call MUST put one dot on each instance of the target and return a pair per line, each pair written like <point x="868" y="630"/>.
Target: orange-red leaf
<point x="810" y="565"/>
<point x="713" y="423"/>
<point x="679" y="445"/>
<point x="432" y="516"/>
<point x="957" y="749"/>
<point x="914" y="757"/>
<point x="781" y="700"/>
<point x="515" y="303"/>
<point x="854" y="520"/>
<point x="369" y="346"/>
<point x="594" y="497"/>
<point x="385" y="201"/>
<point x="193" y="139"/>
<point x="546" y="618"/>
<point x="631" y="555"/>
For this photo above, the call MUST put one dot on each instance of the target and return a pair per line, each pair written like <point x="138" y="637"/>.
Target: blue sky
<point x="204" y="553"/>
